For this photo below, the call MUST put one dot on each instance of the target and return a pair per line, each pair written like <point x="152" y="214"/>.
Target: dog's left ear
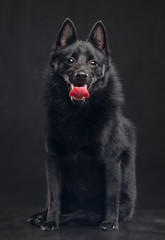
<point x="98" y="37"/>
<point x="67" y="34"/>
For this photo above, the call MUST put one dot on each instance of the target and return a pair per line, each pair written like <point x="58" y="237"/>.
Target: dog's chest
<point x="75" y="132"/>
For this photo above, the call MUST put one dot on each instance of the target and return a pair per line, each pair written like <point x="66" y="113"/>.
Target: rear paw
<point x="49" y="226"/>
<point x="37" y="219"/>
<point x="106" y="225"/>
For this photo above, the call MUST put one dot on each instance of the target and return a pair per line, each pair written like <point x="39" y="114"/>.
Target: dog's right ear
<point x="67" y="34"/>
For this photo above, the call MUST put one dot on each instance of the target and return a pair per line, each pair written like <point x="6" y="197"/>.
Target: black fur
<point x="90" y="145"/>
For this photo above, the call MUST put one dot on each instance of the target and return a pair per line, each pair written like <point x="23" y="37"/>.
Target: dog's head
<point x="81" y="64"/>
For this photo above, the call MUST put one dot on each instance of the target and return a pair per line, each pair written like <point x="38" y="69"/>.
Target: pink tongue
<point x="79" y="92"/>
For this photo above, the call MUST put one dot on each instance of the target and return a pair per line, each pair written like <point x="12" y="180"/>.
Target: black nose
<point x="81" y="75"/>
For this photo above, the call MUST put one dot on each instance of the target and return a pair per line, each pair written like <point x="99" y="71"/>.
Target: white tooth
<point x="71" y="98"/>
<point x="72" y="86"/>
<point x="85" y="86"/>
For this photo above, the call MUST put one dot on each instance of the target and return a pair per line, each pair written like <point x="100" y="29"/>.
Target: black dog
<point x="90" y="145"/>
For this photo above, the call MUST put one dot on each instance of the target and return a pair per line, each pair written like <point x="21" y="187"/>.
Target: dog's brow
<point x="90" y="57"/>
<point x="74" y="55"/>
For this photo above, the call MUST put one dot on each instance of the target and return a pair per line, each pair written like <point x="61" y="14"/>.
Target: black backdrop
<point x="27" y="31"/>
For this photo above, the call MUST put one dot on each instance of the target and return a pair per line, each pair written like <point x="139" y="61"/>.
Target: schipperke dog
<point x="90" y="145"/>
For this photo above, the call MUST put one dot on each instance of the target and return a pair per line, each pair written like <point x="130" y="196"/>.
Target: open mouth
<point x="78" y="91"/>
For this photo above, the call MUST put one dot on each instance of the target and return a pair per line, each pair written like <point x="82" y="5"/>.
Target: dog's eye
<point x="70" y="61"/>
<point x="93" y="63"/>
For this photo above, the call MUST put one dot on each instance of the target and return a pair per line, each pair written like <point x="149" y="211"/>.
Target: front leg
<point x="54" y="188"/>
<point x="112" y="189"/>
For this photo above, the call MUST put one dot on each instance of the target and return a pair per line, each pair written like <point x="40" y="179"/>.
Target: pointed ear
<point x="98" y="37"/>
<point x="67" y="34"/>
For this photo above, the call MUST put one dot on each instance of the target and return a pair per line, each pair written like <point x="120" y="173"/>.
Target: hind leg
<point x="128" y="188"/>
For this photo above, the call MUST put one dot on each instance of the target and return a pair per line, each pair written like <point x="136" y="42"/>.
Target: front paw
<point x="37" y="219"/>
<point x="106" y="225"/>
<point x="49" y="226"/>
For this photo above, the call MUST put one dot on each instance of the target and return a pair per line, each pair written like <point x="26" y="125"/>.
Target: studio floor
<point x="146" y="224"/>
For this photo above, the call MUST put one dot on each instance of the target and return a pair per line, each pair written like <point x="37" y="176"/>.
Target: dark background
<point x="27" y="31"/>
